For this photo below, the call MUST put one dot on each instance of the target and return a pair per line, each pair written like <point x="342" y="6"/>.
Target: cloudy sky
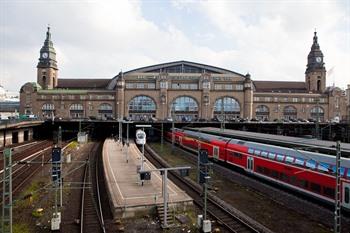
<point x="97" y="39"/>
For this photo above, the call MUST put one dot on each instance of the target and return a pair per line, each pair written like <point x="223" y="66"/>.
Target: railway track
<point x="231" y="219"/>
<point x="22" y="173"/>
<point x="91" y="214"/>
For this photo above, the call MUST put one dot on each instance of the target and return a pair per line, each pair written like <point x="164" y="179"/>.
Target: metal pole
<point x="198" y="161"/>
<point x="127" y="142"/>
<point x="173" y="135"/>
<point x="165" y="198"/>
<point x="127" y="133"/>
<point x="222" y="115"/>
<point x="59" y="142"/>
<point x="205" y="198"/>
<point x="143" y="154"/>
<point x="317" y="120"/>
<point x="7" y="192"/>
<point x="162" y="136"/>
<point x="337" y="215"/>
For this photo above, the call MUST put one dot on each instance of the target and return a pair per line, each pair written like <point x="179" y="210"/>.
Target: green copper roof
<point x="63" y="91"/>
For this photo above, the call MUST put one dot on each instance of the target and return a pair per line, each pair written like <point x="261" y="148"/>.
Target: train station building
<point x="183" y="90"/>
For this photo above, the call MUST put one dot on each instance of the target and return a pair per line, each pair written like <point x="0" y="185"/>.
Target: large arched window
<point x="142" y="108"/>
<point x="226" y="108"/>
<point x="48" y="110"/>
<point x="184" y="108"/>
<point x="262" y="112"/>
<point x="289" y="112"/>
<point x="105" y="111"/>
<point x="76" y="111"/>
<point x="317" y="113"/>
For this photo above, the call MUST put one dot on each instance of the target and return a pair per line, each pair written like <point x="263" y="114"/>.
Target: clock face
<point x="318" y="59"/>
<point x="44" y="55"/>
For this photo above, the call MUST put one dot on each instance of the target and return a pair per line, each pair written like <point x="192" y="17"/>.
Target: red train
<point x="308" y="172"/>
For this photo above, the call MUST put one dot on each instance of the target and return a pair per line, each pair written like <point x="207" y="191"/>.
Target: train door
<point x="180" y="140"/>
<point x="346" y="195"/>
<point x="250" y="164"/>
<point x="215" y="152"/>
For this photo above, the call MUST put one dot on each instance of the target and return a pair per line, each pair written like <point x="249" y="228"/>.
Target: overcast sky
<point x="97" y="39"/>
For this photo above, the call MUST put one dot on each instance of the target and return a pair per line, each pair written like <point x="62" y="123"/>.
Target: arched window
<point x="317" y="113"/>
<point x="184" y="108"/>
<point x="48" y="110"/>
<point x="289" y="112"/>
<point x="226" y="108"/>
<point x="262" y="112"/>
<point x="76" y="111"/>
<point x="318" y="85"/>
<point x="142" y="108"/>
<point x="105" y="111"/>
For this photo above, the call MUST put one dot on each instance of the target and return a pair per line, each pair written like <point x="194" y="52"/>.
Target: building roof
<point x="93" y="83"/>
<point x="280" y="86"/>
<point x="177" y="67"/>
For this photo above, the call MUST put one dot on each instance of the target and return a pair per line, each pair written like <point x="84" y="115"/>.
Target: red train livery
<point x="308" y="172"/>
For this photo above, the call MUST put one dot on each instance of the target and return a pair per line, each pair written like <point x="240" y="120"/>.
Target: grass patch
<point x="72" y="145"/>
<point x="20" y="228"/>
<point x="29" y="195"/>
<point x="36" y="213"/>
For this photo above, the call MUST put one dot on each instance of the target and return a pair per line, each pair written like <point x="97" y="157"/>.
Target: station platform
<point x="127" y="195"/>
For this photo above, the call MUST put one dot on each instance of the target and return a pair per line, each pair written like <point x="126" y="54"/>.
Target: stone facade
<point x="182" y="90"/>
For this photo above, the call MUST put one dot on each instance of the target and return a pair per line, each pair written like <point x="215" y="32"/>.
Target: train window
<point x="240" y="142"/>
<point x="251" y="151"/>
<point x="311" y="164"/>
<point x="304" y="183"/>
<point x="348" y="174"/>
<point x="293" y="180"/>
<point x="257" y="152"/>
<point x="274" y="174"/>
<point x="289" y="159"/>
<point x="238" y="155"/>
<point x="284" y="177"/>
<point x="315" y="187"/>
<point x="280" y="157"/>
<point x="330" y="192"/>
<point x="264" y="153"/>
<point x="347" y="195"/>
<point x="323" y="167"/>
<point x="342" y="170"/>
<point x="266" y="171"/>
<point x="299" y="161"/>
<point x="272" y="155"/>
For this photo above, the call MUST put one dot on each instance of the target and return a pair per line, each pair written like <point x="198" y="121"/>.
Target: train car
<point x="140" y="137"/>
<point x="307" y="172"/>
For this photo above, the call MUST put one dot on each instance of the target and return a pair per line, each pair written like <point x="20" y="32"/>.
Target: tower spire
<point x="315" y="37"/>
<point x="48" y="33"/>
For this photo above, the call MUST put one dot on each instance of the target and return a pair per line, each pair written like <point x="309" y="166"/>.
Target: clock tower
<point x="315" y="74"/>
<point x="47" y="66"/>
